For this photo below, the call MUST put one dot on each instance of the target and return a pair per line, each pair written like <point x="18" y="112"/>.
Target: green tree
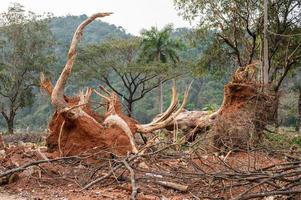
<point x="238" y="31"/>
<point x="159" y="46"/>
<point x="25" y="50"/>
<point x="115" y="64"/>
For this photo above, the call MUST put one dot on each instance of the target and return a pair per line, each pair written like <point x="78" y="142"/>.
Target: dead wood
<point x="167" y="117"/>
<point x="133" y="182"/>
<point x="57" y="96"/>
<point x="176" y="186"/>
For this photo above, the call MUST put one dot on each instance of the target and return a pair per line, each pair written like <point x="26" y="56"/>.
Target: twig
<point x="108" y="174"/>
<point x="133" y="182"/>
<point x="284" y="35"/>
<point x="272" y="193"/>
<point x="73" y="107"/>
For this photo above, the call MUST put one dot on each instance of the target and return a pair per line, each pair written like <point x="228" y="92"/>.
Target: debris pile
<point x="166" y="173"/>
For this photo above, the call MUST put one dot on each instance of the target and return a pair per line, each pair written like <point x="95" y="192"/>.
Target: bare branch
<point x="57" y="97"/>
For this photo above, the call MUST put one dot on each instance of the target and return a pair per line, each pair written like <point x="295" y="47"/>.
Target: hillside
<point x="63" y="27"/>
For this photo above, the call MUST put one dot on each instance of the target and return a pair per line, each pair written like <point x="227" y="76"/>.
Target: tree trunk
<point x="160" y="91"/>
<point x="9" y="121"/>
<point x="298" y="122"/>
<point x="265" y="45"/>
<point x="160" y="95"/>
<point x="10" y="125"/>
<point x="130" y="108"/>
<point x="276" y="113"/>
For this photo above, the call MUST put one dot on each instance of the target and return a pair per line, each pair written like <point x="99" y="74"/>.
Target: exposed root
<point x="118" y="121"/>
<point x="59" y="139"/>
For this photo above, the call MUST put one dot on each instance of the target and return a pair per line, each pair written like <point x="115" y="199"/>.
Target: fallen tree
<point x="76" y="128"/>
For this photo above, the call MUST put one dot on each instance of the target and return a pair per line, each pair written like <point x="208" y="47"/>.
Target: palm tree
<point x="160" y="46"/>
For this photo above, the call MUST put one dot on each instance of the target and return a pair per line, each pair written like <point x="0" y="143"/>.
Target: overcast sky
<point x="132" y="15"/>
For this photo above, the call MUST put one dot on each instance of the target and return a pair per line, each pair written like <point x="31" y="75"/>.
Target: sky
<point x="132" y="15"/>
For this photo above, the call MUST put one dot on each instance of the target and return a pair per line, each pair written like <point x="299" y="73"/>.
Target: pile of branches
<point x="159" y="169"/>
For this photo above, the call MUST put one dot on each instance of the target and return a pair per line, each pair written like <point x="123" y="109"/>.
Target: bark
<point x="130" y="102"/>
<point x="187" y="120"/>
<point x="265" y="45"/>
<point x="277" y="123"/>
<point x="160" y="88"/>
<point x="130" y="108"/>
<point x="10" y="126"/>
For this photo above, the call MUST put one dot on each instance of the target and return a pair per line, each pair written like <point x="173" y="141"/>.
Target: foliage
<point x="238" y="31"/>
<point x="158" y="45"/>
<point x="26" y="49"/>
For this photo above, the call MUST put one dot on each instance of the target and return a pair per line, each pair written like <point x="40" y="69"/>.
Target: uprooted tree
<point x="75" y="128"/>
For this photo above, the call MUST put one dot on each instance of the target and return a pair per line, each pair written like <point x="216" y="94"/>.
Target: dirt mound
<point x="72" y="137"/>
<point x="245" y="112"/>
